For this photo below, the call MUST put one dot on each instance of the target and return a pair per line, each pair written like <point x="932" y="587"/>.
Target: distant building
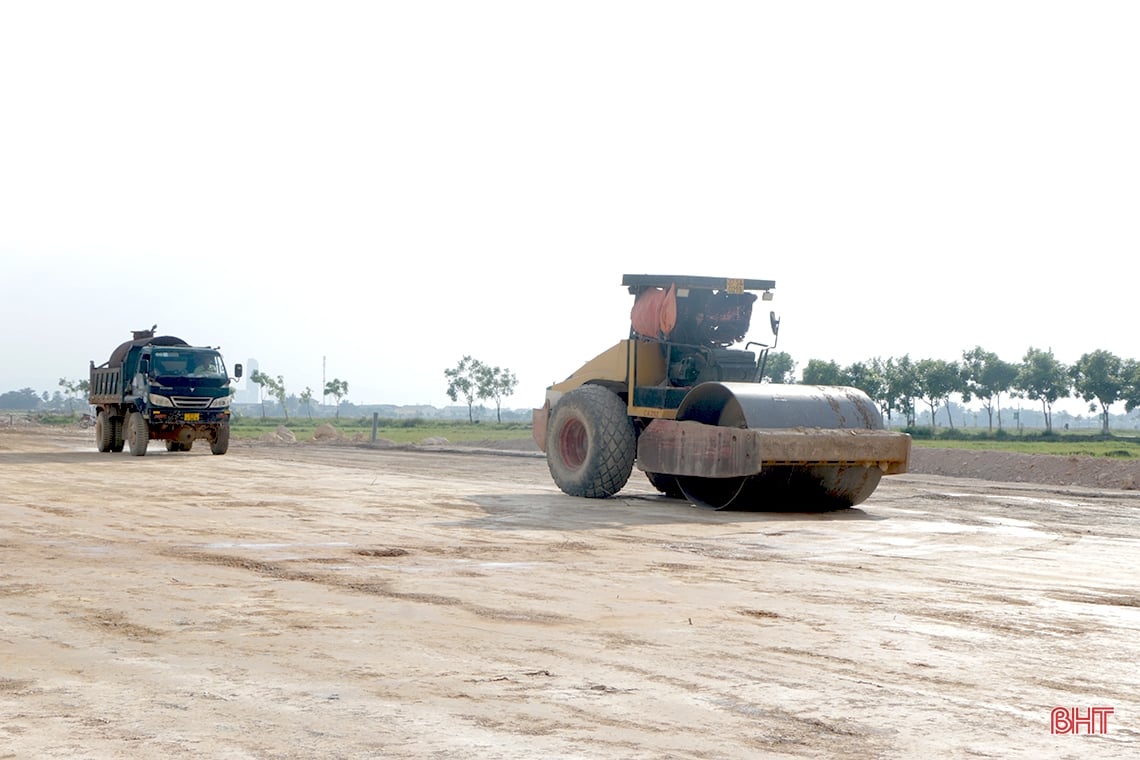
<point x="250" y="393"/>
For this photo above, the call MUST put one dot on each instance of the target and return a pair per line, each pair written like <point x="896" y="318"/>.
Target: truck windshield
<point x="175" y="363"/>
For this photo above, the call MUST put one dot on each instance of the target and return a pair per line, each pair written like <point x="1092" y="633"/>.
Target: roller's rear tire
<point x="591" y="443"/>
<point x="138" y="436"/>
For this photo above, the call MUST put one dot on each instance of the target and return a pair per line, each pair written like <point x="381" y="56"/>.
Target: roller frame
<point x="696" y="449"/>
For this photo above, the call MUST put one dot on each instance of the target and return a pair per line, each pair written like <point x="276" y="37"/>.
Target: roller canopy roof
<point x="731" y="284"/>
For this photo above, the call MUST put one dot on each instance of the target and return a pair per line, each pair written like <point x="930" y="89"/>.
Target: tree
<point x="779" y="368"/>
<point x="256" y="377"/>
<point x="496" y="383"/>
<point x="1099" y="376"/>
<point x="819" y="372"/>
<point x="867" y="377"/>
<point x="937" y="379"/>
<point x="277" y="388"/>
<point x="901" y="381"/>
<point x="1131" y="373"/>
<point x="986" y="376"/>
<point x="307" y="400"/>
<point x="264" y="384"/>
<point x="68" y="388"/>
<point x="463" y="381"/>
<point x="25" y="399"/>
<point x="1042" y="377"/>
<point x="338" y="389"/>
<point x="74" y="388"/>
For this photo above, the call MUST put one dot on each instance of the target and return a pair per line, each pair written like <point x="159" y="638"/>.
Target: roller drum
<point x="798" y="486"/>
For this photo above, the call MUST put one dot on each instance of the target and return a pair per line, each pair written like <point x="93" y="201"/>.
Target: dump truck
<point x="683" y="400"/>
<point x="159" y="387"/>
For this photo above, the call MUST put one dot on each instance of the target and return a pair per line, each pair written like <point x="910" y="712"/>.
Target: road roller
<point x="685" y="399"/>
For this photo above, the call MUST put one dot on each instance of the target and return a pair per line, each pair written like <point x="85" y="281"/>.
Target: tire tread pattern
<point x="104" y="432"/>
<point x="612" y="443"/>
<point x="117" y="441"/>
<point x="138" y="435"/>
<point x="221" y="443"/>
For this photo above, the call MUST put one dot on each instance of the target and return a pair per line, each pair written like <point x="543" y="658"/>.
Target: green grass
<point x="1083" y="443"/>
<point x="400" y="431"/>
<point x="55" y="418"/>
<point x="1117" y="449"/>
<point x="1069" y="443"/>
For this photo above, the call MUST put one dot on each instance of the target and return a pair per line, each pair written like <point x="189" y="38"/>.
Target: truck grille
<point x="191" y="402"/>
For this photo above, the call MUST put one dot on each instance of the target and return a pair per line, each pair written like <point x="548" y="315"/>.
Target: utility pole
<point x="324" y="383"/>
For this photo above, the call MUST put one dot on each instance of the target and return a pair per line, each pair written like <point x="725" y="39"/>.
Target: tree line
<point x="473" y="380"/>
<point x="899" y="385"/>
<point x="470" y="380"/>
<point x="28" y="399"/>
<point x="275" y="387"/>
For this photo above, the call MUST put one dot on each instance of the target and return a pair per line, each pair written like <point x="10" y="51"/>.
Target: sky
<point x="369" y="191"/>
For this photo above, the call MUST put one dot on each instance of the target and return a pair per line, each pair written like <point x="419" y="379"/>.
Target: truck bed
<point x="106" y="385"/>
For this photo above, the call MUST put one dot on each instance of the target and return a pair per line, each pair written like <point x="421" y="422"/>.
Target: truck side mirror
<point x="775" y="322"/>
<point x="144" y="365"/>
<point x="237" y="371"/>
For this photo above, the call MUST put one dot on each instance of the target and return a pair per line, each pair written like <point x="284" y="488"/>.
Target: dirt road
<point x="313" y="601"/>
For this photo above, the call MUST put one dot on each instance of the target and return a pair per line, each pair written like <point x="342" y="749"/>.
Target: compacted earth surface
<point x="339" y="600"/>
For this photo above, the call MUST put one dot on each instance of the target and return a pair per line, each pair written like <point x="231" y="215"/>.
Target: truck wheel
<point x="117" y="441"/>
<point x="221" y="442"/>
<point x="590" y="443"/>
<point x="104" y="432"/>
<point x="138" y="435"/>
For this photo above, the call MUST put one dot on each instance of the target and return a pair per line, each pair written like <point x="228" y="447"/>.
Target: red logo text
<point x="1070" y="720"/>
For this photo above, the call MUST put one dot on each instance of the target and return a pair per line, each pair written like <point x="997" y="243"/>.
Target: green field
<point x="400" y="431"/>
<point x="1069" y="444"/>
<point x="414" y="431"/>
<point x="1123" y="444"/>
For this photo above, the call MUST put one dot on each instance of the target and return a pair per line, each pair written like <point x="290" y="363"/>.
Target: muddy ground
<point x="340" y="601"/>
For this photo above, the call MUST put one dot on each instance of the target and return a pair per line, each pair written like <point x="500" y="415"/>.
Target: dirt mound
<point x="326" y="432"/>
<point x="1008" y="466"/>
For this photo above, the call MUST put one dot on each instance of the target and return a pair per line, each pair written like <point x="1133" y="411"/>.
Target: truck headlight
<point x="157" y="400"/>
<point x="220" y="403"/>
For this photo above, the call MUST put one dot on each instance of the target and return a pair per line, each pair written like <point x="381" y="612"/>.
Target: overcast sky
<point x="369" y="191"/>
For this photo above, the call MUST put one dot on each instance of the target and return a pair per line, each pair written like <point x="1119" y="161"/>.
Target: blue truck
<point x="159" y="387"/>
